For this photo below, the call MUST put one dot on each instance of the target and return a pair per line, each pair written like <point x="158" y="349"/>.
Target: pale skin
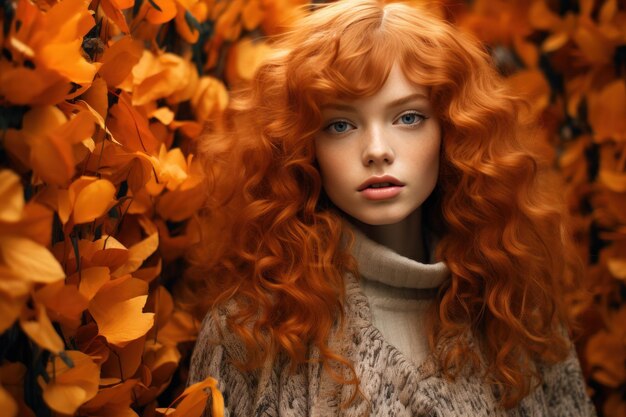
<point x="379" y="161"/>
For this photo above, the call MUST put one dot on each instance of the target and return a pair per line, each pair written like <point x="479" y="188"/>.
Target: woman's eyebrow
<point x="406" y="99"/>
<point x="394" y="103"/>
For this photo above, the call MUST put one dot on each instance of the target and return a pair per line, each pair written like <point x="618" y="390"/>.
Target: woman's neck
<point x="404" y="237"/>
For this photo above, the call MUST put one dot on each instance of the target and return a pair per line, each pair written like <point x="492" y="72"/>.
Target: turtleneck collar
<point x="379" y="263"/>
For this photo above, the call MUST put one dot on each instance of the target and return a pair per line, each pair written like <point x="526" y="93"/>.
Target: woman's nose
<point x="377" y="149"/>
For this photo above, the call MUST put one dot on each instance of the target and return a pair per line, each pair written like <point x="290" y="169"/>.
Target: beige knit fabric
<point x="399" y="292"/>
<point x="391" y="384"/>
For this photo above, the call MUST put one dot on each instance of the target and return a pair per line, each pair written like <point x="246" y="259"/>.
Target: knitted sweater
<point x="392" y="384"/>
<point x="399" y="292"/>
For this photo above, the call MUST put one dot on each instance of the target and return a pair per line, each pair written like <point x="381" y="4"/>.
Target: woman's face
<point x="379" y="155"/>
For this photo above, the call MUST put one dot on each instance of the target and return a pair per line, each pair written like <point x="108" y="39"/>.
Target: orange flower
<point x="47" y="65"/>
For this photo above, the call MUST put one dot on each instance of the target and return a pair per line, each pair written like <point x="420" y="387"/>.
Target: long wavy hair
<point x="270" y="246"/>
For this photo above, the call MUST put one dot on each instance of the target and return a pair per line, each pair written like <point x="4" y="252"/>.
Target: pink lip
<point x="376" y="180"/>
<point x="382" y="193"/>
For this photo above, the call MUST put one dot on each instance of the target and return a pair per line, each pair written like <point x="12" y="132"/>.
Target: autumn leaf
<point x="160" y="11"/>
<point x="54" y="297"/>
<point x="11" y="195"/>
<point x="13" y="296"/>
<point x="90" y="280"/>
<point x="118" y="310"/>
<point x="119" y="59"/>
<point x="113" y="10"/>
<point x="91" y="343"/>
<point x="124" y="361"/>
<point x="7" y="403"/>
<point x="189" y="15"/>
<point x="114" y="401"/>
<point x="137" y="254"/>
<point x="244" y="59"/>
<point x="46" y="53"/>
<point x="180" y="204"/>
<point x="175" y="246"/>
<point x="193" y="400"/>
<point x="161" y="76"/>
<point x="606" y="354"/>
<point x="41" y="331"/>
<point x="130" y="127"/>
<point x="70" y="387"/>
<point x="12" y="376"/>
<point x="606" y="112"/>
<point x="51" y="139"/>
<point x="29" y="260"/>
<point x="92" y="201"/>
<point x="161" y="362"/>
<point x="182" y="327"/>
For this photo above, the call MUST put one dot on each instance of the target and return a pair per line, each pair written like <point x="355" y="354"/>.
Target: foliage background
<point x="100" y="106"/>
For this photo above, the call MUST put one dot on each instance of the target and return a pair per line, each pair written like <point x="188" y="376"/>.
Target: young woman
<point x="381" y="239"/>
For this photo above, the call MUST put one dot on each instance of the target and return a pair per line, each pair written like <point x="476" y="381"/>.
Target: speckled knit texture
<point x="393" y="385"/>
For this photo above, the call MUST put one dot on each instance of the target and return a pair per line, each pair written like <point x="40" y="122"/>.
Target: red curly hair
<point x="270" y="245"/>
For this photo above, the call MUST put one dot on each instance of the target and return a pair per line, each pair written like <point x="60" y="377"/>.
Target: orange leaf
<point x="10" y="308"/>
<point x="11" y="195"/>
<point x="119" y="59"/>
<point x="69" y="388"/>
<point x="41" y="331"/>
<point x="607" y="108"/>
<point x="118" y="310"/>
<point x="210" y="99"/>
<point x="614" y="181"/>
<point x="617" y="267"/>
<point x="92" y="279"/>
<point x="182" y="327"/>
<point x="95" y="100"/>
<point x="185" y="29"/>
<point x="36" y="224"/>
<point x="138" y="253"/>
<point x="252" y="14"/>
<point x="194" y="400"/>
<point x="180" y="205"/>
<point x="112" y="401"/>
<point x="93" y="201"/>
<point x="12" y="377"/>
<point x="160" y="11"/>
<point x="130" y="127"/>
<point x="112" y="9"/>
<point x="55" y="298"/>
<point x="124" y="361"/>
<point x="7" y="403"/>
<point x="606" y="354"/>
<point x="541" y="17"/>
<point x="244" y="59"/>
<point x="29" y="260"/>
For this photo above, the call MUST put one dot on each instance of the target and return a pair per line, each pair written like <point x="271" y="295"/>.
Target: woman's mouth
<point x="381" y="188"/>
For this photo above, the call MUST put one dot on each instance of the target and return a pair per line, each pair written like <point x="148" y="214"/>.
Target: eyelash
<point x="421" y="117"/>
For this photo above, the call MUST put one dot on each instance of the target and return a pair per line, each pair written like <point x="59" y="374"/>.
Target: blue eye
<point x="412" y="118"/>
<point x="340" y="126"/>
